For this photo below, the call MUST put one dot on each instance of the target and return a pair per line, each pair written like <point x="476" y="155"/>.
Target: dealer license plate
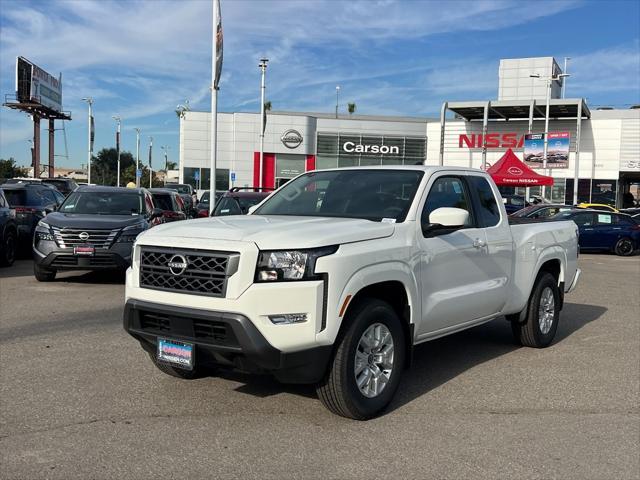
<point x="84" y="250"/>
<point x="179" y="354"/>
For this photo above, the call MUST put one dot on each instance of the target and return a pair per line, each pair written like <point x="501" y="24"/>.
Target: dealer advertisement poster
<point x="557" y="150"/>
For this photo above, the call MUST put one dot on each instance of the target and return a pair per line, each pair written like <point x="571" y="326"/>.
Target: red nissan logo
<point x="514" y="171"/>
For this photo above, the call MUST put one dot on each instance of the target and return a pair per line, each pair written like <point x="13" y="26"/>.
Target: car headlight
<point x="129" y="234"/>
<point x="290" y="265"/>
<point x="43" y="232"/>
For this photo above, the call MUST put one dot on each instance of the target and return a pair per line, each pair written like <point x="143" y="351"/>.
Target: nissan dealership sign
<point x="352" y="147"/>
<point x="493" y="140"/>
<point x="291" y="139"/>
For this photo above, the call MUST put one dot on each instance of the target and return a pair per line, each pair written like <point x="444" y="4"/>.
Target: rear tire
<point x="543" y="313"/>
<point x="43" y="274"/>
<point x="175" y="371"/>
<point x="370" y="351"/>
<point x="624" y="247"/>
<point x="9" y="248"/>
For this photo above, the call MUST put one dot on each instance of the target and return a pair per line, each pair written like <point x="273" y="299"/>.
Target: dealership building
<point x="605" y="143"/>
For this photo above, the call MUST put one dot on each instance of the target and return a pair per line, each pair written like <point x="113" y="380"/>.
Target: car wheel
<point x="543" y="313"/>
<point x="175" y="371"/>
<point x="624" y="247"/>
<point x="8" y="249"/>
<point x="43" y="274"/>
<point x="367" y="365"/>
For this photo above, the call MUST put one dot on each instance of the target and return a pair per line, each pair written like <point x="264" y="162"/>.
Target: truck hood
<point x="76" y="220"/>
<point x="274" y="232"/>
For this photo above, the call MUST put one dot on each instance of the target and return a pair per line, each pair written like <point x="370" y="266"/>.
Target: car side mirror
<point x="445" y="220"/>
<point x="252" y="209"/>
<point x="156" y="213"/>
<point x="49" y="210"/>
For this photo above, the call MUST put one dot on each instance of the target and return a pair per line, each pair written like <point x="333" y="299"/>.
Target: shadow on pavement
<point x="438" y="361"/>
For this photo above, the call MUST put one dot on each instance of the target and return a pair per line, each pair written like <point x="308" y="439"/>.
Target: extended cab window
<point x="447" y="192"/>
<point x="488" y="210"/>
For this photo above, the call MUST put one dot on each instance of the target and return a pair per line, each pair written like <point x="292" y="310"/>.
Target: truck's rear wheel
<point x="543" y="312"/>
<point x="175" y="371"/>
<point x="368" y="362"/>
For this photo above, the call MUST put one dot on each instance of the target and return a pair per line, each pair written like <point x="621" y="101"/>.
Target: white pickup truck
<point x="336" y="276"/>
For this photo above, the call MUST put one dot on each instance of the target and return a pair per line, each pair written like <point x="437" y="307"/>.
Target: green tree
<point x="351" y="108"/>
<point x="9" y="169"/>
<point x="105" y="166"/>
<point x="267" y="106"/>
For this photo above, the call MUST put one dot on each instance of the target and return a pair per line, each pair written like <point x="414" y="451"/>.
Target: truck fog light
<point x="267" y="275"/>
<point x="288" y="318"/>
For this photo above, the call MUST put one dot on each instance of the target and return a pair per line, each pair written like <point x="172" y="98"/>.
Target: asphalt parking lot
<point x="80" y="399"/>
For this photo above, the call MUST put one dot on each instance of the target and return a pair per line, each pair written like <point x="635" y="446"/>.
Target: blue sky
<point x="140" y="59"/>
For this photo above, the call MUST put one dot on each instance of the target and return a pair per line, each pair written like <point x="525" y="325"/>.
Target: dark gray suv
<point x="93" y="229"/>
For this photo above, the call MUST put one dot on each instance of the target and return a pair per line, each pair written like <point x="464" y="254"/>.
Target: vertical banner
<point x="219" y="44"/>
<point x="558" y="149"/>
<point x="92" y="135"/>
<point x="150" y="149"/>
<point x="534" y="150"/>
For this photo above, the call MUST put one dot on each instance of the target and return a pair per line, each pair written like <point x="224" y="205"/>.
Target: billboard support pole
<point x="51" y="172"/>
<point x="485" y="121"/>
<point x="36" y="146"/>
<point x="576" y="172"/>
<point x="443" y="120"/>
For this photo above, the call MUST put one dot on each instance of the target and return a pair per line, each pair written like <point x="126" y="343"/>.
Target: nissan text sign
<point x="493" y="140"/>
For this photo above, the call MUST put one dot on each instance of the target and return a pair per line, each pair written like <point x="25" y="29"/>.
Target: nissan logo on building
<point x="291" y="138"/>
<point x="177" y="265"/>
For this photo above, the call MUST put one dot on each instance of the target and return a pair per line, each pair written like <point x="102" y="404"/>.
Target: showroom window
<point x="222" y="178"/>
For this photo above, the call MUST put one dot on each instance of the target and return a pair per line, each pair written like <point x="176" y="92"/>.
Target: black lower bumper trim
<point x="222" y="338"/>
<point x="68" y="261"/>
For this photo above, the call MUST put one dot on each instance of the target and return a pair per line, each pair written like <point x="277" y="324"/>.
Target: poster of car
<point x="557" y="150"/>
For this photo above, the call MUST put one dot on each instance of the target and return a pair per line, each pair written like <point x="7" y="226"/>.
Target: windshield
<point x="162" y="201"/>
<point x="180" y="188"/>
<point x="103" y="203"/>
<point x="204" y="198"/>
<point x="375" y="195"/>
<point x="235" y="205"/>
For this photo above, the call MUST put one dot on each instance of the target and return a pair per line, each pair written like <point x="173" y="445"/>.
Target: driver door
<point x="452" y="280"/>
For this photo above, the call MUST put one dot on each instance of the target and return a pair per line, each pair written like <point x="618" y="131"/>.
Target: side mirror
<point x="48" y="210"/>
<point x="445" y="220"/>
<point x="252" y="209"/>
<point x="156" y="213"/>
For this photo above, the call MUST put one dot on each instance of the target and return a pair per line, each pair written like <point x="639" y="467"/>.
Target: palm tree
<point x="351" y="107"/>
<point x="267" y="106"/>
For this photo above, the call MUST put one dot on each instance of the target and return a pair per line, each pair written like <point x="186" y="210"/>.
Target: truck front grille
<point x="186" y="328"/>
<point x="187" y="271"/>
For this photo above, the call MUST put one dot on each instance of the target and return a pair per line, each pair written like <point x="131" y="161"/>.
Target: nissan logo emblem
<point x="177" y="265"/>
<point x="514" y="171"/>
<point x="84" y="236"/>
<point x="291" y="138"/>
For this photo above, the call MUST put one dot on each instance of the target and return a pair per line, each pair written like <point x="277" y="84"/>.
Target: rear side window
<point x="488" y="211"/>
<point x="16" y="197"/>
<point x="583" y="219"/>
<point x="447" y="192"/>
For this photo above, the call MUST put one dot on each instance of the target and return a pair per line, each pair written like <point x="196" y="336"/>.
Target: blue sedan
<point x="605" y="231"/>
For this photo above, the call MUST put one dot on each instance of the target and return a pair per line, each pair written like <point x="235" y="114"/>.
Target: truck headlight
<point x="290" y="265"/>
<point x="129" y="234"/>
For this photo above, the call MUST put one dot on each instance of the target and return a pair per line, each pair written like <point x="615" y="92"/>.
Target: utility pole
<point x="564" y="80"/>
<point x="550" y="79"/>
<point x="137" y="156"/>
<point x="90" y="127"/>
<point x="337" y="97"/>
<point x="263" y="70"/>
<point x="150" y="164"/>
<point x="117" y="119"/>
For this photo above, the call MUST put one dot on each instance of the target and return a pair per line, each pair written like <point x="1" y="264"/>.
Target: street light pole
<point x="150" y="163"/>
<point x="337" y="96"/>
<point x="117" y="119"/>
<point x="137" y="156"/>
<point x="263" y="70"/>
<point x="550" y="79"/>
<point x="89" y="100"/>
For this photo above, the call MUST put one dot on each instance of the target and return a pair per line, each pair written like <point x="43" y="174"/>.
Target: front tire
<point x="543" y="313"/>
<point x="624" y="247"/>
<point x="9" y="247"/>
<point x="368" y="362"/>
<point x="43" y="274"/>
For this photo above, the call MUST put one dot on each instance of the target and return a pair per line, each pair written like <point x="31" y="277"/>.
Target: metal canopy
<point x="34" y="108"/>
<point x="513" y="109"/>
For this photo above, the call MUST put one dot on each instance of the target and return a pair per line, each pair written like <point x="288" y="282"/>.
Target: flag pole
<point x="216" y="37"/>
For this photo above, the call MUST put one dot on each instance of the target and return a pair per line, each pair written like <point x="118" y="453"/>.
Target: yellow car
<point x="598" y="206"/>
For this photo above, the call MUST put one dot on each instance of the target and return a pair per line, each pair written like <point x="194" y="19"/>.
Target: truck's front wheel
<point x="368" y="362"/>
<point x="543" y="312"/>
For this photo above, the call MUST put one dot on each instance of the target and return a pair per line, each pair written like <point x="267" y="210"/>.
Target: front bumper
<point x="222" y="338"/>
<point x="48" y="254"/>
<point x="574" y="283"/>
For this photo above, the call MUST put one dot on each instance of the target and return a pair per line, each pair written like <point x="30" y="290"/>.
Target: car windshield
<point x="180" y="188"/>
<point x="235" y="205"/>
<point x="16" y="197"/>
<point x="103" y="203"/>
<point x="163" y="201"/>
<point x="375" y="194"/>
<point x="204" y="198"/>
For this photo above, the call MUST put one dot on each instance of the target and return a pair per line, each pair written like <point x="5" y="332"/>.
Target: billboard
<point x="34" y="85"/>
<point x="557" y="150"/>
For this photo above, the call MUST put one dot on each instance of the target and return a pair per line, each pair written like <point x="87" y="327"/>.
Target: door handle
<point x="478" y="243"/>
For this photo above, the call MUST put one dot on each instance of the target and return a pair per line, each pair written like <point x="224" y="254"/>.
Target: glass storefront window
<point x="558" y="191"/>
<point x="222" y="178"/>
<point x="324" y="162"/>
<point x="604" y="191"/>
